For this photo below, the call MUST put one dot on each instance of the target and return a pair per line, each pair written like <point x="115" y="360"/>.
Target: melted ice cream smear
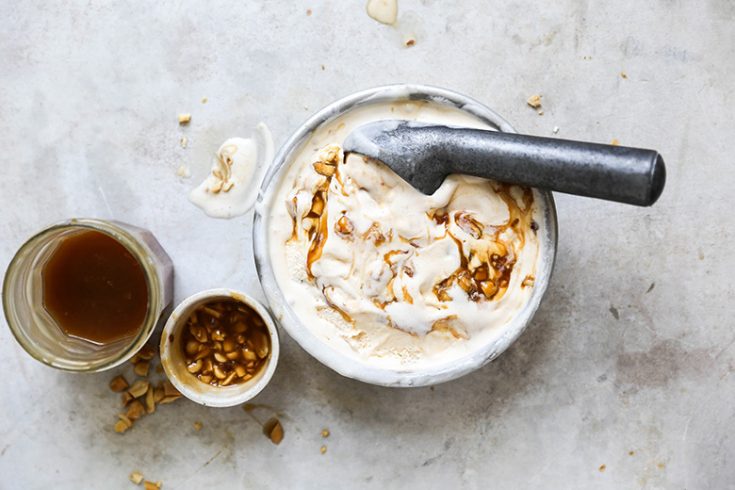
<point x="232" y="185"/>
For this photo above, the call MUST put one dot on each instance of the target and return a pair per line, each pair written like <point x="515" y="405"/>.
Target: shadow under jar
<point x="85" y="294"/>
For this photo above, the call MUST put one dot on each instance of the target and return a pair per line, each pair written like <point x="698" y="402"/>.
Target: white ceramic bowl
<point x="351" y="366"/>
<point x="174" y="363"/>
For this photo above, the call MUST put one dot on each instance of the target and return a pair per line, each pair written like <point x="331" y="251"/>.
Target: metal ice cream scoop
<point x="424" y="154"/>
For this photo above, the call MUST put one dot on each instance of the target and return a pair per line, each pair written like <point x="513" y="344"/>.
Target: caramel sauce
<point x="374" y="234"/>
<point x="491" y="278"/>
<point x="488" y="281"/>
<point x="406" y="296"/>
<point x="319" y="235"/>
<point x="445" y="325"/>
<point x="94" y="288"/>
<point x="345" y="316"/>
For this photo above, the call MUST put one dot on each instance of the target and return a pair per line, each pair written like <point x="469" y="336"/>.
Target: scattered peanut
<point x="158" y="394"/>
<point x="123" y="424"/>
<point x="127" y="398"/>
<point x="118" y="384"/>
<point x="274" y="430"/>
<point x="141" y="369"/>
<point x="150" y="403"/>
<point x="141" y="398"/>
<point x="534" y="101"/>
<point x="135" y="410"/>
<point x="145" y="354"/>
<point x="184" y="118"/>
<point x="136" y="477"/>
<point x="139" y="388"/>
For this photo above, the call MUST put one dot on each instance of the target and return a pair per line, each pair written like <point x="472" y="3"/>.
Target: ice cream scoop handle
<point x="616" y="173"/>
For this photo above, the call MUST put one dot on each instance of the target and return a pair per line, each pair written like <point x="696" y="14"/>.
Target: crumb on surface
<point x="534" y="101"/>
<point x="602" y="468"/>
<point x="410" y="41"/>
<point x="183" y="171"/>
<point x="136" y="477"/>
<point x="198" y="426"/>
<point x="325" y="433"/>
<point x="614" y="312"/>
<point x="308" y="12"/>
<point x="615" y="142"/>
<point x="184" y="118"/>
<point x="205" y="100"/>
<point x="555" y="130"/>
<point x="623" y="75"/>
<point x="323" y="449"/>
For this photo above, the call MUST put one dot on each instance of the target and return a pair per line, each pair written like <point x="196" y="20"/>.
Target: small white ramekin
<point x="174" y="363"/>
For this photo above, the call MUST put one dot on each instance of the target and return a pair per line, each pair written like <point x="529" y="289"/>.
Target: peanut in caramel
<point x="225" y="342"/>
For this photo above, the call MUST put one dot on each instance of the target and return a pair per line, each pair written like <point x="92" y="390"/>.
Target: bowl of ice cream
<point x="382" y="283"/>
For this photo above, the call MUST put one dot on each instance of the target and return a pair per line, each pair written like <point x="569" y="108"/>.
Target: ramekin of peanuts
<point x="219" y="347"/>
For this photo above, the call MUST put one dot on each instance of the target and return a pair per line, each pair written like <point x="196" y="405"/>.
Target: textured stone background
<point x="608" y="373"/>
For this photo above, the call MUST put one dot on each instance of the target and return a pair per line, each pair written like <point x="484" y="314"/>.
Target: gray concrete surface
<point x="625" y="378"/>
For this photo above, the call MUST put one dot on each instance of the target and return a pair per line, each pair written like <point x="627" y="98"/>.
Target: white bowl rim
<point x="323" y="352"/>
<point x="213" y="396"/>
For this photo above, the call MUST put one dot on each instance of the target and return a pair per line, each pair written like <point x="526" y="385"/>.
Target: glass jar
<point x="36" y="330"/>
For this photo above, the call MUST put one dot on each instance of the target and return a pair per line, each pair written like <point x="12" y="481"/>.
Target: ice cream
<point x="389" y="275"/>
<point x="232" y="185"/>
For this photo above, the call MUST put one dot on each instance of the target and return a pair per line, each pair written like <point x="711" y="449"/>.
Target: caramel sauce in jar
<point x="94" y="288"/>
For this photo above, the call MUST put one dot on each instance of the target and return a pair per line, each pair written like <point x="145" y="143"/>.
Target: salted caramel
<point x="94" y="288"/>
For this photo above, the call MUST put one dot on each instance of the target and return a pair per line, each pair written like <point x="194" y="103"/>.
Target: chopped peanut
<point x="118" y="384"/>
<point x="225" y="343"/>
<point x="136" y="477"/>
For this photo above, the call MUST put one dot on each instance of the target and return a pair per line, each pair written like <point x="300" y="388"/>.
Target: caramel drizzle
<point x="318" y="234"/>
<point x="445" y="325"/>
<point x="294" y="227"/>
<point x="489" y="280"/>
<point x="345" y="316"/>
<point x="492" y="277"/>
<point x="406" y="296"/>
